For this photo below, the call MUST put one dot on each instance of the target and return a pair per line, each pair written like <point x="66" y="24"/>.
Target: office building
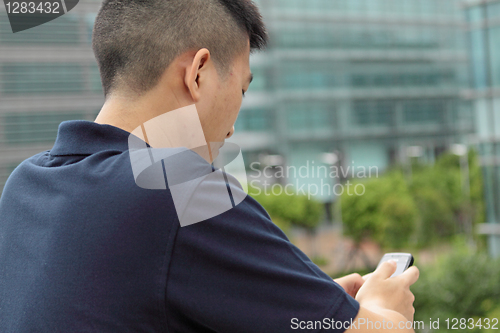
<point x="47" y="74"/>
<point x="364" y="79"/>
<point x="483" y="32"/>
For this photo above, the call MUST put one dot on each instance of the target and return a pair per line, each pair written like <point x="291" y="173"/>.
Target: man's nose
<point x="230" y="134"/>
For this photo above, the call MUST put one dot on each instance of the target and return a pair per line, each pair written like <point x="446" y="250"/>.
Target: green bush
<point x="287" y="210"/>
<point x="320" y="261"/>
<point x="459" y="285"/>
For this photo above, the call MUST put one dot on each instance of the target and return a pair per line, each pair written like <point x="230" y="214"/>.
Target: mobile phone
<point x="404" y="261"/>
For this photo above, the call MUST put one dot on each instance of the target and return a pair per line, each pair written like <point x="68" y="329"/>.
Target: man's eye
<point x="243" y="93"/>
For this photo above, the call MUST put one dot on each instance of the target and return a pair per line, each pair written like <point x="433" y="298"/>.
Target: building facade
<point x="48" y="74"/>
<point x="365" y="79"/>
<point x="483" y="31"/>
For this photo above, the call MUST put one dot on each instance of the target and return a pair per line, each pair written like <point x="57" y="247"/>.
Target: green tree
<point x="445" y="208"/>
<point x="477" y="204"/>
<point x="385" y="212"/>
<point x="437" y="195"/>
<point x="430" y="207"/>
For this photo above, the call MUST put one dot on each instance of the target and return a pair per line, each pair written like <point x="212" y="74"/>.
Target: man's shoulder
<point x="106" y="174"/>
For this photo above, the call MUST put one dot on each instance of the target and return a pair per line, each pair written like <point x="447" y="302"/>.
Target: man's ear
<point x="196" y="73"/>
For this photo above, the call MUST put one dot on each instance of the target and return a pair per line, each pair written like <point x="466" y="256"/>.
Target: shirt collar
<point x="81" y="137"/>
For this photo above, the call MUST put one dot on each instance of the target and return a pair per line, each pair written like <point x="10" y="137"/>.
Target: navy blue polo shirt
<point x="84" y="249"/>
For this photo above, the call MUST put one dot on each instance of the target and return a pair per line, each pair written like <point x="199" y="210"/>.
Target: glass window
<point x="429" y="7"/>
<point x="412" y="7"/>
<point x="309" y="116"/>
<point x="474" y="14"/>
<point x="62" y="30"/>
<point x="253" y="120"/>
<point x="409" y="76"/>
<point x="408" y="8"/>
<point x="494" y="37"/>
<point x="493" y="11"/>
<point x="418" y="112"/>
<point x="478" y="58"/>
<point x="308" y="75"/>
<point x="356" y="6"/>
<point x="360" y="80"/>
<point x="375" y="7"/>
<point x="315" y="5"/>
<point x="89" y="25"/>
<point x="452" y="8"/>
<point x="22" y="128"/>
<point x="356" y="36"/>
<point x="39" y="78"/>
<point x="339" y="6"/>
<point x="95" y="79"/>
<point x="398" y="6"/>
<point x="306" y="36"/>
<point x="372" y="113"/>
<point x="259" y="82"/>
<point x="298" y="119"/>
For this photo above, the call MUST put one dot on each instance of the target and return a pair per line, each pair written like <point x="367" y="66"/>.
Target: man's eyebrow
<point x="250" y="78"/>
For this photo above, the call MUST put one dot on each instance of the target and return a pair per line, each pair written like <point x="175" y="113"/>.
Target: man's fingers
<point x="356" y="278"/>
<point x="351" y="283"/>
<point x="367" y="276"/>
<point x="385" y="270"/>
<point x="411" y="275"/>
<point x="358" y="281"/>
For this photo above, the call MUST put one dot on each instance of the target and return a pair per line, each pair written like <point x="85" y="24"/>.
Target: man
<point x="83" y="248"/>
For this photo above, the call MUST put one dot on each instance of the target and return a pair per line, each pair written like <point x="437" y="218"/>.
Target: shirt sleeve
<point x="238" y="272"/>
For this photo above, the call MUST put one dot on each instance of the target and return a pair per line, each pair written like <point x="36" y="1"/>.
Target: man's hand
<point x="381" y="292"/>
<point x="351" y="283"/>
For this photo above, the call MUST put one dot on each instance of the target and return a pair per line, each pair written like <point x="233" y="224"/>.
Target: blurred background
<point x="408" y="88"/>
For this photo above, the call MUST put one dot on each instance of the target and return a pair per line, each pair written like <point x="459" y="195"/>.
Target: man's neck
<point x="128" y="113"/>
<point x="171" y="129"/>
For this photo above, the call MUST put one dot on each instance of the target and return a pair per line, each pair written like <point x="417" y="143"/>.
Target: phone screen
<point x="404" y="260"/>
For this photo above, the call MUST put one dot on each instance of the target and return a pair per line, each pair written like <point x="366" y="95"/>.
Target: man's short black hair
<point x="134" y="41"/>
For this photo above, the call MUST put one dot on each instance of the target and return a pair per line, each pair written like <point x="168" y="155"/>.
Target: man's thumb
<point x="386" y="269"/>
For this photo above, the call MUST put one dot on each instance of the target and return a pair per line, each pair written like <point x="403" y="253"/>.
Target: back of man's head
<point x="135" y="41"/>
